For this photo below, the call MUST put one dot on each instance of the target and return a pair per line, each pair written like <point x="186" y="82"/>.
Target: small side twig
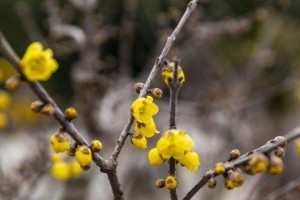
<point x="269" y="146"/>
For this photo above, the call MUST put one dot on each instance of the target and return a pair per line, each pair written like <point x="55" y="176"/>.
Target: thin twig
<point x="155" y="70"/>
<point x="269" y="146"/>
<point x="174" y="89"/>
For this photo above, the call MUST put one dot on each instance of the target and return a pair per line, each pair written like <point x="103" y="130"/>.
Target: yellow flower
<point x="229" y="185"/>
<point x="75" y="169"/>
<point x="59" y="142"/>
<point x="191" y="161"/>
<point x="154" y="157"/>
<point x="84" y="156"/>
<point x="4" y="100"/>
<point x="3" y="121"/>
<point x="174" y="143"/>
<point x="171" y="182"/>
<point x="60" y="170"/>
<point x="139" y="141"/>
<point x="168" y="71"/>
<point x="143" y="109"/>
<point x="38" y="64"/>
<point x="146" y="129"/>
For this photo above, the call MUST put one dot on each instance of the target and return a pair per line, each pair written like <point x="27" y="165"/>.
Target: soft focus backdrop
<point x="242" y="65"/>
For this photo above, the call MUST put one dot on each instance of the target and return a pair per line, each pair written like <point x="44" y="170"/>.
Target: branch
<point x="269" y="146"/>
<point x="41" y="93"/>
<point x="155" y="70"/>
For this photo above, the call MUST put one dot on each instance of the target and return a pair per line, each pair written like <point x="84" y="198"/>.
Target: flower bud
<point x="71" y="113"/>
<point x="237" y="178"/>
<point x="228" y="184"/>
<point x="37" y="106"/>
<point x="168" y="73"/>
<point x="84" y="156"/>
<point x="138" y="87"/>
<point x="59" y="142"/>
<point x="276" y="165"/>
<point x="156" y="92"/>
<point x="139" y="141"/>
<point x="219" y="168"/>
<point x="71" y="149"/>
<point x="282" y="140"/>
<point x="171" y="182"/>
<point x="13" y="83"/>
<point x="234" y="154"/>
<point x="160" y="183"/>
<point x="47" y="110"/>
<point x="60" y="170"/>
<point x="96" y="146"/>
<point x="279" y="151"/>
<point x="258" y="163"/>
<point x="75" y="169"/>
<point x="212" y="182"/>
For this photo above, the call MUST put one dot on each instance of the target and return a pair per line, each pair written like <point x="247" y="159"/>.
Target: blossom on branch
<point x="38" y="64"/>
<point x="143" y="109"/>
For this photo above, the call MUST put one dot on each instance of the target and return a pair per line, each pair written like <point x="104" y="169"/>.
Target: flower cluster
<point x="64" y="170"/>
<point x="175" y="144"/>
<point x="38" y="64"/>
<point x="258" y="163"/>
<point x="143" y="110"/>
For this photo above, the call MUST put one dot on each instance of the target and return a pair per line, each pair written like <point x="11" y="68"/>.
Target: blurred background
<point x="241" y="60"/>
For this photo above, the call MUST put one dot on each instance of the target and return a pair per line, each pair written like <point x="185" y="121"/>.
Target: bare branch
<point x="269" y="146"/>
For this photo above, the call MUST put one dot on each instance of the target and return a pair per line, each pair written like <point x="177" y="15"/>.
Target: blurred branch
<point x="29" y="24"/>
<point x="269" y="146"/>
<point x="277" y="194"/>
<point x="155" y="70"/>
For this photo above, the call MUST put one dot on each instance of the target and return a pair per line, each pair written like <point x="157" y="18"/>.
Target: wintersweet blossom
<point x="174" y="143"/>
<point x="143" y="109"/>
<point x="38" y="64"/>
<point x="147" y="129"/>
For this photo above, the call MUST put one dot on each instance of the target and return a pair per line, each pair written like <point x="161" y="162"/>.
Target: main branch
<point x="266" y="148"/>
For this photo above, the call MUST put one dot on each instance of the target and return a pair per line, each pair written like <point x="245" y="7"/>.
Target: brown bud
<point x="71" y="113"/>
<point x="212" y="182"/>
<point x="160" y="183"/>
<point x="36" y="106"/>
<point x="138" y="87"/>
<point x="279" y="151"/>
<point x="13" y="83"/>
<point x="156" y="92"/>
<point x="234" y="154"/>
<point x="282" y="140"/>
<point x="71" y="149"/>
